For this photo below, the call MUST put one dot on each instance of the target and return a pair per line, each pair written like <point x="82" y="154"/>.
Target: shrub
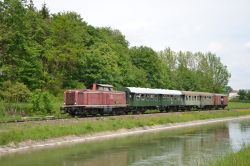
<point x="41" y="102"/>
<point x="14" y="92"/>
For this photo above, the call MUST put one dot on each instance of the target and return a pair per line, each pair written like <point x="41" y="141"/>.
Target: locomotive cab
<point x="104" y="87"/>
<point x="101" y="87"/>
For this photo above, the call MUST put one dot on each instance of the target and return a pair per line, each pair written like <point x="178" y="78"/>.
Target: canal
<point x="187" y="146"/>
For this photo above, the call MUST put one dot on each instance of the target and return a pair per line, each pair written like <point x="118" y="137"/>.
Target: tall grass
<point x="11" y="112"/>
<point x="241" y="158"/>
<point x="42" y="130"/>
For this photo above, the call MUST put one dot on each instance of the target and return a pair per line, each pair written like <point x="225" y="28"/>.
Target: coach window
<point x="138" y="96"/>
<point x="164" y="97"/>
<point x="142" y="97"/>
<point x="152" y="97"/>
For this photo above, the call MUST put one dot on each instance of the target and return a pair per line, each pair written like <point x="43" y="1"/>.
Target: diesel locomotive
<point x="102" y="99"/>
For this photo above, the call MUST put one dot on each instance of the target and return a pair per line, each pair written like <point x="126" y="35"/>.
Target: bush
<point x="41" y="102"/>
<point x="14" y="92"/>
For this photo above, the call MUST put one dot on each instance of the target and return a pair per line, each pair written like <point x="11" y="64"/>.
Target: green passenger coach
<point x="147" y="98"/>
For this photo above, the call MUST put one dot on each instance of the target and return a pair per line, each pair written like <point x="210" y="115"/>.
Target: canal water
<point x="186" y="146"/>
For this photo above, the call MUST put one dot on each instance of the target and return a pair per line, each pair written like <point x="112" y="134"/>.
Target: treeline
<point x="244" y="94"/>
<point x="52" y="52"/>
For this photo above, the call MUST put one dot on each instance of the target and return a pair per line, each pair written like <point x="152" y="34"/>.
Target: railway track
<point x="53" y="118"/>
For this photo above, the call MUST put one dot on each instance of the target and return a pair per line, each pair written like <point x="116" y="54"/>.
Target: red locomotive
<point x="97" y="99"/>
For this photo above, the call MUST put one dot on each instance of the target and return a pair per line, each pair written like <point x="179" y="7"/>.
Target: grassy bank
<point x="13" y="132"/>
<point x="241" y="158"/>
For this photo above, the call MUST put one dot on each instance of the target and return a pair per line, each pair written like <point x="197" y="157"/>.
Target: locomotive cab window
<point x="104" y="87"/>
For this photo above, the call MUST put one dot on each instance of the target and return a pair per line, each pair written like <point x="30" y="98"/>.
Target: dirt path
<point x="27" y="145"/>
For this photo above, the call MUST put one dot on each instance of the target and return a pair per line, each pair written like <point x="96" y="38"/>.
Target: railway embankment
<point x="29" y="135"/>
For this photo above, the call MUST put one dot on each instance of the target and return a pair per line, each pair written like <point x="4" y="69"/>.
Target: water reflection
<point x="239" y="134"/>
<point x="189" y="146"/>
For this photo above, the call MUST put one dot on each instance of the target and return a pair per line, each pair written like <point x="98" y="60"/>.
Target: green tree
<point x="242" y="94"/>
<point x="195" y="71"/>
<point x="147" y="59"/>
<point x="19" y="49"/>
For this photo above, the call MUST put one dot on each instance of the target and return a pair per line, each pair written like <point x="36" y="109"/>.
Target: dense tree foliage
<point x="39" y="50"/>
<point x="195" y="71"/>
<point x="244" y="94"/>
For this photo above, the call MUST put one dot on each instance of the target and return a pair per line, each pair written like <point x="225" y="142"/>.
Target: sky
<point x="219" y="26"/>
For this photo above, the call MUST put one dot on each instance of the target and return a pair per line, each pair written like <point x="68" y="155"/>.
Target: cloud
<point x="215" y="46"/>
<point x="247" y="45"/>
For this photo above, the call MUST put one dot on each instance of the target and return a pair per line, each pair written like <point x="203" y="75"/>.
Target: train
<point x="102" y="99"/>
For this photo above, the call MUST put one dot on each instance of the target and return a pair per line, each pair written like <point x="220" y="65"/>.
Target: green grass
<point x="241" y="158"/>
<point x="13" y="132"/>
<point x="238" y="105"/>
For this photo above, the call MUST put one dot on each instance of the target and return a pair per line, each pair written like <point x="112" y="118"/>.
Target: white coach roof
<point x="153" y="91"/>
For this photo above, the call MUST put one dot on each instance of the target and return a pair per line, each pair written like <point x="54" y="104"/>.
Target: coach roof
<point x="153" y="91"/>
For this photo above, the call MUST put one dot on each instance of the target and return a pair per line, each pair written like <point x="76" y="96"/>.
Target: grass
<point x="238" y="105"/>
<point x="241" y="158"/>
<point x="18" y="132"/>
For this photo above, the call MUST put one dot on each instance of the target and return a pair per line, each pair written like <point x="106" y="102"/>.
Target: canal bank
<point x="196" y="145"/>
<point x="27" y="145"/>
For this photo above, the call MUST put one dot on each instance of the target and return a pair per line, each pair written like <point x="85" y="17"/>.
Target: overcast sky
<point x="219" y="26"/>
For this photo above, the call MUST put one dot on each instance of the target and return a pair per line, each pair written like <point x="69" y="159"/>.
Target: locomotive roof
<point x="105" y="85"/>
<point x="153" y="91"/>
